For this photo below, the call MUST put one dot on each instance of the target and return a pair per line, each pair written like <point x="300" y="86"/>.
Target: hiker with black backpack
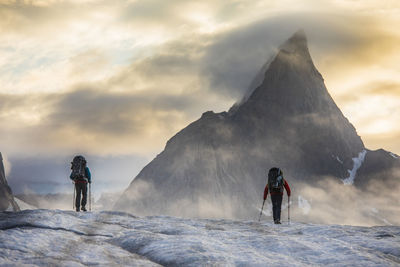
<point x="80" y="175"/>
<point x="275" y="184"/>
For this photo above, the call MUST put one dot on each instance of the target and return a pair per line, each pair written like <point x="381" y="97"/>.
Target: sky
<point x="114" y="80"/>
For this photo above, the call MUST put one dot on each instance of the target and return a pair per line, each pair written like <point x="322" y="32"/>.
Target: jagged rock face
<point x="217" y="165"/>
<point x="380" y="167"/>
<point x="292" y="110"/>
<point x="6" y="197"/>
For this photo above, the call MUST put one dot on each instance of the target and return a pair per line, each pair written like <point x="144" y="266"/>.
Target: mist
<point x="328" y="201"/>
<point x="332" y="202"/>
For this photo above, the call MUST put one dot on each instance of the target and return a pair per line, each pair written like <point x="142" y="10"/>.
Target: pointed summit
<point x="299" y="34"/>
<point x="296" y="43"/>
<point x="293" y="52"/>
<point x="291" y="83"/>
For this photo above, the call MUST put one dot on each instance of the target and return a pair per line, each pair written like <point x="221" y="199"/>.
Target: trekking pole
<point x="73" y="199"/>
<point x="90" y="196"/>
<point x="261" y="210"/>
<point x="288" y="211"/>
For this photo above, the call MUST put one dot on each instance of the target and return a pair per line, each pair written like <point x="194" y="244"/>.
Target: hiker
<point x="276" y="183"/>
<point x="80" y="175"/>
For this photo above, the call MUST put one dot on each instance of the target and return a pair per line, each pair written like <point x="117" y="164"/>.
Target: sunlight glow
<point x="53" y="47"/>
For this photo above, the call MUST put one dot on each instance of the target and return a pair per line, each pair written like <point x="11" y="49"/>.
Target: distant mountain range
<point x="287" y="119"/>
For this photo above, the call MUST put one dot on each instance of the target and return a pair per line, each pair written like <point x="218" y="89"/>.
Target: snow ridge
<point x="358" y="161"/>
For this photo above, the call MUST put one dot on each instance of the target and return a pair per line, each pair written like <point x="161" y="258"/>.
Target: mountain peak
<point x="296" y="43"/>
<point x="293" y="51"/>
<point x="300" y="34"/>
<point x="291" y="81"/>
<point x="289" y="120"/>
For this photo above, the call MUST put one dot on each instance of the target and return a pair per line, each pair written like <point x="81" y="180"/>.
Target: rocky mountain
<point x="217" y="165"/>
<point x="6" y="198"/>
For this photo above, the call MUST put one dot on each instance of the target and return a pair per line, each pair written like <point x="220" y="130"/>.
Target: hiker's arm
<point x="88" y="175"/>
<point x="266" y="192"/>
<point x="287" y="188"/>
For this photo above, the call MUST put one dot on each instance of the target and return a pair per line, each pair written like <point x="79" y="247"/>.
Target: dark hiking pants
<point x="276" y="206"/>
<point x="80" y="188"/>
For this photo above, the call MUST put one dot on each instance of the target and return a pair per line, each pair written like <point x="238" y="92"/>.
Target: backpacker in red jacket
<point x="275" y="184"/>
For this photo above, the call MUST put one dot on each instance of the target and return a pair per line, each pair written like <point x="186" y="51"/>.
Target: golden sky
<point x="121" y="77"/>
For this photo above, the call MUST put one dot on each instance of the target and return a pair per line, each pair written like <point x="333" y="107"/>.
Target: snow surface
<point x="67" y="238"/>
<point x="358" y="161"/>
<point x="393" y="155"/>
<point x="10" y="207"/>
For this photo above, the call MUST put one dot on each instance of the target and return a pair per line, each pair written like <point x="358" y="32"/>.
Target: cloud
<point x="141" y="105"/>
<point x="157" y="95"/>
<point x="116" y="114"/>
<point x="373" y="107"/>
<point x="337" y="43"/>
<point x="133" y="73"/>
<point x="388" y="140"/>
<point x="23" y="17"/>
<point x="387" y="88"/>
<point x="102" y="120"/>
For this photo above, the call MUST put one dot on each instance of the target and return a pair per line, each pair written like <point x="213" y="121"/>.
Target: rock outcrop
<point x="6" y="197"/>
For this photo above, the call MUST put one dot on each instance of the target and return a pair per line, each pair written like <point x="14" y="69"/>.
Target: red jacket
<point x="285" y="184"/>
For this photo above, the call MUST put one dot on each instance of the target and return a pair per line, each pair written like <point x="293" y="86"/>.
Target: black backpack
<point x="78" y="167"/>
<point x="275" y="180"/>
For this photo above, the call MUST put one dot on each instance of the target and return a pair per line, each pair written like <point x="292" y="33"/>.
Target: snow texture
<point x="67" y="238"/>
<point x="358" y="161"/>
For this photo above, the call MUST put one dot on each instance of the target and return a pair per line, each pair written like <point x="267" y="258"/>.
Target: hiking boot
<point x="277" y="222"/>
<point x="77" y="209"/>
<point x="83" y="209"/>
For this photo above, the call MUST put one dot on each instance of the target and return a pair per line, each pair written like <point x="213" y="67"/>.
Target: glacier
<point x="106" y="238"/>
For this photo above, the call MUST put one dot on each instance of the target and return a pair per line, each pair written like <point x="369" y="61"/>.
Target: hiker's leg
<point x="84" y="194"/>
<point x="274" y="207"/>
<point x="279" y="205"/>
<point x="78" y="195"/>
